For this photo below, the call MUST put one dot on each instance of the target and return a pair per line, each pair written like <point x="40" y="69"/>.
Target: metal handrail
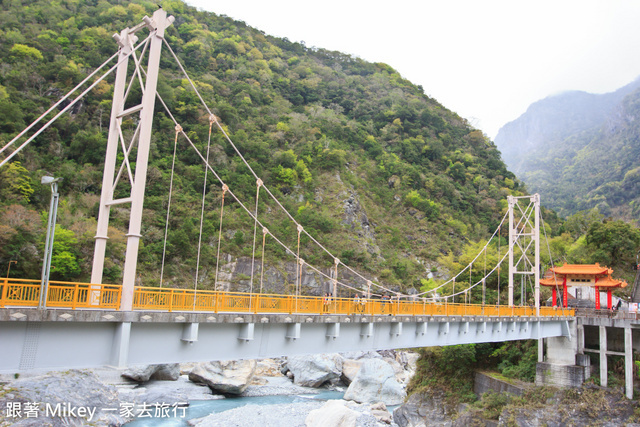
<point x="26" y="293"/>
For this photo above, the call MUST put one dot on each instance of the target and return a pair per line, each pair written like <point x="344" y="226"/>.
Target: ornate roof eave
<point x="587" y="269"/>
<point x="609" y="282"/>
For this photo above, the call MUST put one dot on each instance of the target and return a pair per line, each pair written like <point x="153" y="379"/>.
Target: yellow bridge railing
<point x="26" y="293"/>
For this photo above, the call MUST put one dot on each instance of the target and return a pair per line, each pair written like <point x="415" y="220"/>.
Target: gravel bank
<point x="286" y="414"/>
<point x="279" y="415"/>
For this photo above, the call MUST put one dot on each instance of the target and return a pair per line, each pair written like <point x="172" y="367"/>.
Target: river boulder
<point x="350" y="369"/>
<point x="227" y="377"/>
<point x="315" y="370"/>
<point x="161" y="372"/>
<point x="419" y="408"/>
<point x="375" y="382"/>
<point x="334" y="413"/>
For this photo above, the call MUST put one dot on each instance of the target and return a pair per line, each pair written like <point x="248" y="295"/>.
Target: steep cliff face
<point x="551" y="121"/>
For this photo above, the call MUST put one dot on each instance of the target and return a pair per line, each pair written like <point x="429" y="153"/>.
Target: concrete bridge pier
<point x="563" y="364"/>
<point x="611" y="336"/>
<point x="628" y="362"/>
<point x="610" y="342"/>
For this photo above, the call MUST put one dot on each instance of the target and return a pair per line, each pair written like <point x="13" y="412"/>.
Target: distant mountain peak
<point x="551" y="147"/>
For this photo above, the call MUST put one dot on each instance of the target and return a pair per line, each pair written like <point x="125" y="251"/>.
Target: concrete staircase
<point x="635" y="291"/>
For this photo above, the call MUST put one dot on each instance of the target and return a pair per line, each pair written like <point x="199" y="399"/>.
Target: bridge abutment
<point x="563" y="365"/>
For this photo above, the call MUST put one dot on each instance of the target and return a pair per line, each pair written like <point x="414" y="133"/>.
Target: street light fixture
<point x="48" y="245"/>
<point x="9" y="268"/>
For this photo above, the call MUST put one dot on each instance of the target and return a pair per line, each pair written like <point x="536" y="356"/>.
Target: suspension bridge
<point x="49" y="324"/>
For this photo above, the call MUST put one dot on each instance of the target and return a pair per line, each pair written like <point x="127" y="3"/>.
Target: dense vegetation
<point x="321" y="128"/>
<point x="388" y="179"/>
<point x="450" y="370"/>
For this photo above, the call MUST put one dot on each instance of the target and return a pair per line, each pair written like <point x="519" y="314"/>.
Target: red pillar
<point x="597" y="298"/>
<point x="565" y="294"/>
<point x="554" y="297"/>
<point x="609" y="305"/>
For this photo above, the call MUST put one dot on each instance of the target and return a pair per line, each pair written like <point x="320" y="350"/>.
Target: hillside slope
<point x="574" y="149"/>
<point x="384" y="176"/>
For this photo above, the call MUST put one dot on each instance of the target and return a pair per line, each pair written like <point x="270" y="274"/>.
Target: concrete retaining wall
<point x="484" y="382"/>
<point x="561" y="375"/>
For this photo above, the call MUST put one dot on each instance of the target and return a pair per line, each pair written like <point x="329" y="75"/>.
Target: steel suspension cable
<point x="480" y="282"/>
<point x="265" y="188"/>
<point x="253" y="172"/>
<point x="66" y="108"/>
<point x="464" y="269"/>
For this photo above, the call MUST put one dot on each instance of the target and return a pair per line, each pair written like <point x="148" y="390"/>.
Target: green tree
<point x="23" y="51"/>
<point x="15" y="184"/>
<point x="616" y="242"/>
<point x="64" y="264"/>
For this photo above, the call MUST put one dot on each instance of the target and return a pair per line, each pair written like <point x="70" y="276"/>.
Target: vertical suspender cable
<point x="465" y="295"/>
<point x="204" y="193"/>
<point x="453" y="296"/>
<point x="264" y="238"/>
<point x="166" y="225"/>
<point x="298" y="268"/>
<point x="298" y="278"/>
<point x="484" y="277"/>
<point x="225" y="188"/>
<point x="499" y="264"/>
<point x="336" y="261"/>
<point x="255" y="228"/>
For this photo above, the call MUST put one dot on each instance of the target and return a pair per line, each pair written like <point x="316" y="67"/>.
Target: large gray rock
<point x="421" y="410"/>
<point x="174" y="392"/>
<point x="375" y="382"/>
<point x="93" y="402"/>
<point x="228" y="377"/>
<point x="380" y="411"/>
<point x="350" y="369"/>
<point x="162" y="372"/>
<point x="315" y="370"/>
<point x="398" y="370"/>
<point x="334" y="413"/>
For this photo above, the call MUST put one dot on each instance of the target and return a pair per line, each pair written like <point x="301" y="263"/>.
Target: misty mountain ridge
<point x="574" y="149"/>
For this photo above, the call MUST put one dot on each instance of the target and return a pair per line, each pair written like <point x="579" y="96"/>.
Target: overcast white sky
<point x="487" y="60"/>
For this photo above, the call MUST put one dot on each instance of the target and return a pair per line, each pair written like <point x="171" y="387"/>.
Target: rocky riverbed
<point x="371" y="383"/>
<point x="114" y="397"/>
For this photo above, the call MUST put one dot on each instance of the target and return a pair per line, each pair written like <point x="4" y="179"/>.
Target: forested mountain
<point x="578" y="151"/>
<point x="384" y="176"/>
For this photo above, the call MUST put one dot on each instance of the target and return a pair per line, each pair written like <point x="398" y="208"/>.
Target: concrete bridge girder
<point x="61" y="339"/>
